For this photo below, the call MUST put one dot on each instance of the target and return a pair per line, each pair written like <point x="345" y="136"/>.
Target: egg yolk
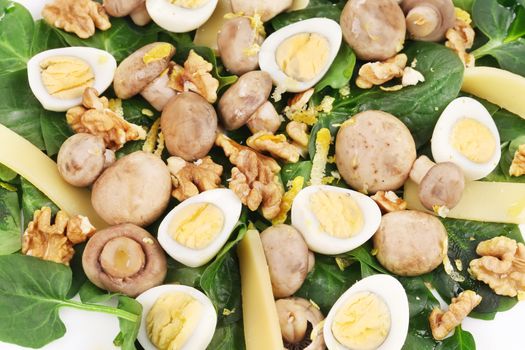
<point x="172" y="320"/>
<point x="66" y="77"/>
<point x="303" y="56"/>
<point x="197" y="225"/>
<point x="157" y="53"/>
<point x="189" y="4"/>
<point x="473" y="140"/>
<point x="362" y="323"/>
<point x="338" y="214"/>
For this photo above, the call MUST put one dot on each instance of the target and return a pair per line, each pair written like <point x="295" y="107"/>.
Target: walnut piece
<point x="96" y="118"/>
<point x="54" y="242"/>
<point x="255" y="178"/>
<point x="276" y="145"/>
<point x="77" y="16"/>
<point x="389" y="201"/>
<point x="190" y="179"/>
<point x="297" y="132"/>
<point x="195" y="76"/>
<point x="443" y="322"/>
<point x="517" y="168"/>
<point x="460" y="38"/>
<point x="378" y="73"/>
<point x="501" y="266"/>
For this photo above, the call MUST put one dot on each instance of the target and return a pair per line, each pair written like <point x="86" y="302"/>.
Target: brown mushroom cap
<point x="135" y="189"/>
<point x="125" y="259"/>
<point x="287" y="257"/>
<point x="429" y="20"/>
<point x="410" y="243"/>
<point x="374" y="29"/>
<point x="374" y="152"/>
<point x="81" y="159"/>
<point x="133" y="75"/>
<point x="121" y="8"/>
<point x="443" y="185"/>
<point x="189" y="124"/>
<point x="243" y="98"/>
<point x="268" y="9"/>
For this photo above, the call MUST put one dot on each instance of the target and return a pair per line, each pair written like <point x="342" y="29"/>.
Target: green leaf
<point x="89" y="293"/>
<point x="517" y="29"/>
<point x="128" y="328"/>
<point x="6" y="174"/>
<point x="16" y="34"/>
<point x="464" y="4"/>
<point x="291" y="170"/>
<point x="510" y="56"/>
<point x="55" y="130"/>
<point x="492" y="19"/>
<point x="340" y="71"/>
<point x="363" y="255"/>
<point x="315" y="9"/>
<point x="228" y="337"/>
<point x="32" y="200"/>
<point x="461" y="340"/>
<point x="10" y="230"/>
<point x="45" y="38"/>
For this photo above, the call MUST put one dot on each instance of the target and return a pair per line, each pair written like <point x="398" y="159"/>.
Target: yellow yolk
<point x="157" y="53"/>
<point x="172" y="320"/>
<point x="197" y="225"/>
<point x="473" y="140"/>
<point x="66" y="77"/>
<point x="189" y="4"/>
<point x="338" y="214"/>
<point x="362" y="323"/>
<point x="303" y="56"/>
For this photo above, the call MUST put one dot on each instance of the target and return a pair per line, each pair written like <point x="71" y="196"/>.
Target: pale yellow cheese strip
<point x="498" y="86"/>
<point x="298" y="5"/>
<point x="27" y="160"/>
<point x="206" y="35"/>
<point x="261" y="324"/>
<point x="481" y="201"/>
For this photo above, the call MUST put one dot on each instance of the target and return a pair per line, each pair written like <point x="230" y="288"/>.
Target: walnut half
<point x="276" y="145"/>
<point x="190" y="179"/>
<point x="517" y="168"/>
<point x="389" y="201"/>
<point x="378" y="73"/>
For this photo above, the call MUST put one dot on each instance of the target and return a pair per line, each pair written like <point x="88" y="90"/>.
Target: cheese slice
<point x="481" y="201"/>
<point x="27" y="160"/>
<point x="261" y="324"/>
<point x="298" y="5"/>
<point x="206" y="35"/>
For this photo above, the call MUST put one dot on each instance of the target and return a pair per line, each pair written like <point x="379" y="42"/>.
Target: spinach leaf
<point x="32" y="291"/>
<point x="461" y="340"/>
<point x="129" y="328"/>
<point x="228" y="337"/>
<point x="33" y="199"/>
<point x="340" y="71"/>
<point x="16" y="33"/>
<point x="10" y="230"/>
<point x="89" y="293"/>
<point x="291" y="170"/>
<point x="464" y="4"/>
<point x="363" y="255"/>
<point x="316" y="8"/>
<point x="45" y="38"/>
<point x="55" y="130"/>
<point x="179" y="273"/>
<point x="6" y="174"/>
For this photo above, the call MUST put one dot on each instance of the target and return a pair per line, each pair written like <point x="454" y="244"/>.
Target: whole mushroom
<point x="135" y="189"/>
<point x="374" y="29"/>
<point x="82" y="158"/>
<point x="287" y="258"/>
<point x="135" y="8"/>
<point x="268" y="9"/>
<point x="296" y="317"/>
<point x="429" y="20"/>
<point x="189" y="124"/>
<point x="124" y="259"/>
<point x="374" y="152"/>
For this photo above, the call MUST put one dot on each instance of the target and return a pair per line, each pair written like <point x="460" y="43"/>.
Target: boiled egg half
<point x="180" y="16"/>
<point x="373" y="314"/>
<point x="334" y="220"/>
<point x="299" y="55"/>
<point x="195" y="230"/>
<point x="176" y="317"/>
<point x="58" y="77"/>
<point x="467" y="136"/>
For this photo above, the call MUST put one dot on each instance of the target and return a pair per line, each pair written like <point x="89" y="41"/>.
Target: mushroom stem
<point x="140" y="15"/>
<point x="420" y="168"/>
<point x="422" y="20"/>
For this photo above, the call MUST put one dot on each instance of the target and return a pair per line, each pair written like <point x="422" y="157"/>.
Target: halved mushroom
<point x="124" y="259"/>
<point x="287" y="257"/>
<point x="268" y="9"/>
<point x="298" y="318"/>
<point x="429" y="20"/>
<point x="122" y="8"/>
<point x="265" y="118"/>
<point x="158" y="92"/>
<point x="374" y="29"/>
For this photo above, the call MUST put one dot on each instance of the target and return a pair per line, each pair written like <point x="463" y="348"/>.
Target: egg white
<point x="321" y="242"/>
<point x="102" y="63"/>
<point x="205" y="328"/>
<point x="222" y="198"/>
<point x="392" y="293"/>
<point x="178" y="19"/>
<point x="325" y="27"/>
<point x="444" y="151"/>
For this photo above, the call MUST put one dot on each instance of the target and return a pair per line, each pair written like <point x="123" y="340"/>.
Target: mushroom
<point x="141" y="68"/>
<point x="410" y="242"/>
<point x="243" y="98"/>
<point x="124" y="259"/>
<point x="236" y="42"/>
<point x="189" y="124"/>
<point x="440" y="185"/>
<point x="374" y="29"/>
<point x="158" y="92"/>
<point x="374" y="151"/>
<point x="429" y="20"/>
<point x="136" y="189"/>
<point x="287" y="257"/>
<point x="82" y="158"/>
<point x="122" y="8"/>
<point x="298" y="318"/>
<point x="268" y="9"/>
<point x="265" y="118"/>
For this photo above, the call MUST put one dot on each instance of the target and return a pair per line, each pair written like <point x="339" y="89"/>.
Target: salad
<point x="239" y="174"/>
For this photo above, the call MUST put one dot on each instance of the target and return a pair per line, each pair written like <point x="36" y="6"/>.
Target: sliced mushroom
<point x="268" y="9"/>
<point x="265" y="118"/>
<point x="429" y="20"/>
<point x="124" y="259"/>
<point x="374" y="29"/>
<point x="298" y="318"/>
<point x="287" y="257"/>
